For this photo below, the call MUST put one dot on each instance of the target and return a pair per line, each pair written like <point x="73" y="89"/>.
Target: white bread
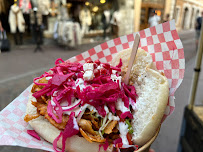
<point x="152" y="89"/>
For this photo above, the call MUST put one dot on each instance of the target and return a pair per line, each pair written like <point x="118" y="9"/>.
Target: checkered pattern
<point x="162" y="42"/>
<point x="13" y="129"/>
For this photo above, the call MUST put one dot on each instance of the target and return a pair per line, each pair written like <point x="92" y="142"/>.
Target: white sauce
<point x="123" y="129"/>
<point x="80" y="82"/>
<point x="75" y="124"/>
<point x="106" y="109"/>
<point x="48" y="78"/>
<point x="91" y="108"/>
<point x="133" y="104"/>
<point x="55" y="93"/>
<point x="115" y="78"/>
<point x="52" y="102"/>
<point x="120" y="106"/>
<point x="114" y="71"/>
<point x="84" y="107"/>
<point x="112" y="117"/>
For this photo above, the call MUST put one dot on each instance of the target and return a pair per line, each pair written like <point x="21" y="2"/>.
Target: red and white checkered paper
<point x="161" y="41"/>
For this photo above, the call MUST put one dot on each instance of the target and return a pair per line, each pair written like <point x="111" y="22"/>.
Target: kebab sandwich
<point x="87" y="107"/>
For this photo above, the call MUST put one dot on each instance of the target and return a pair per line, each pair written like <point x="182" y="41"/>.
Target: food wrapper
<point x="161" y="41"/>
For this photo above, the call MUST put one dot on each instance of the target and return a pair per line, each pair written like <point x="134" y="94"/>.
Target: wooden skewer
<point x="132" y="58"/>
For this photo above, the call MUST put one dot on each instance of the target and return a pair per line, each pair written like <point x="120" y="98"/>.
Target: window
<point x="177" y="14"/>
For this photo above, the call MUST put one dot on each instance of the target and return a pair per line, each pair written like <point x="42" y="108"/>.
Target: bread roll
<point x="152" y="89"/>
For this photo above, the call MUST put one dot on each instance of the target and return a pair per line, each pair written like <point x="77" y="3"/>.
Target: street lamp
<point x="102" y="1"/>
<point x="95" y="9"/>
<point x="87" y="3"/>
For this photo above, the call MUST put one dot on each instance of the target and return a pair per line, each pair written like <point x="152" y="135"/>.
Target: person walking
<point x="198" y="25"/>
<point x="154" y="19"/>
<point x="115" y="21"/>
<point x="17" y="23"/>
<point x="37" y="30"/>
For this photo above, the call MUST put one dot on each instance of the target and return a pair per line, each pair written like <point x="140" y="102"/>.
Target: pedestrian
<point x="17" y="23"/>
<point x="115" y="23"/>
<point x="36" y="20"/>
<point x="167" y="18"/>
<point x="154" y="19"/>
<point x="198" y="25"/>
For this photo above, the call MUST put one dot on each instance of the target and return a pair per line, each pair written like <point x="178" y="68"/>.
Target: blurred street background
<point x="65" y="28"/>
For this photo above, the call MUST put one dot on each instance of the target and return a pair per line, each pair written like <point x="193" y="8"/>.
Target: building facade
<point x="184" y="12"/>
<point x="187" y="12"/>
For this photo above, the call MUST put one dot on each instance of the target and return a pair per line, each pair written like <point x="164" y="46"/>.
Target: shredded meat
<point x="30" y="117"/>
<point x="109" y="128"/>
<point x="36" y="88"/>
<point x="42" y="110"/>
<point x="89" y="126"/>
<point x="90" y="137"/>
<point x="94" y="120"/>
<point x="86" y="125"/>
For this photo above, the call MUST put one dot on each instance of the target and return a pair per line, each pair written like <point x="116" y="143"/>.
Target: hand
<point x="151" y="150"/>
<point x="1" y="28"/>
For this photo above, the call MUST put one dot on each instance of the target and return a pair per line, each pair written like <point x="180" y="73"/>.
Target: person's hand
<point x="1" y="28"/>
<point x="151" y="150"/>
